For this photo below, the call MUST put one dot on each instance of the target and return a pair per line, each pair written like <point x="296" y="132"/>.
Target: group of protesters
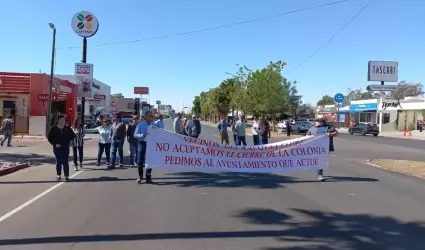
<point x="188" y="127"/>
<point x="260" y="130"/>
<point x="112" y="136"/>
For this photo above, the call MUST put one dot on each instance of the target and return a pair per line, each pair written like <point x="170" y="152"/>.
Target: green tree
<point x="406" y="89"/>
<point x="325" y="100"/>
<point x="196" y="108"/>
<point x="356" y="94"/>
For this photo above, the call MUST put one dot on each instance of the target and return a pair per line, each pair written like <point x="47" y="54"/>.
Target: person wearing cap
<point x="193" y="127"/>
<point x="140" y="134"/>
<point x="118" y="135"/>
<point x="160" y="122"/>
<point x="104" y="141"/>
<point x="132" y="142"/>
<point x="321" y="128"/>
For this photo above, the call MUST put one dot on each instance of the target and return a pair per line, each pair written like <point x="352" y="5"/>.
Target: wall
<point x="37" y="125"/>
<point x="40" y="85"/>
<point x="16" y="87"/>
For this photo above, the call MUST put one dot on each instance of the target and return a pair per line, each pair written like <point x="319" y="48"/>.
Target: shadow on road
<point x="248" y="180"/>
<point x="318" y="230"/>
<point x="100" y="179"/>
<point x="330" y="230"/>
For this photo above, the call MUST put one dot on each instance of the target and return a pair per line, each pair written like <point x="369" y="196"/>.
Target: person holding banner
<point x="320" y="128"/>
<point x="140" y="134"/>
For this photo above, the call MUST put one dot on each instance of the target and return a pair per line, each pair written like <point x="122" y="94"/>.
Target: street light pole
<point x="52" y="68"/>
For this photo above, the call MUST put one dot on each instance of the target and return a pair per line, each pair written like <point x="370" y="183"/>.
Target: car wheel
<point x="375" y="134"/>
<point x="350" y="132"/>
<point x="363" y="132"/>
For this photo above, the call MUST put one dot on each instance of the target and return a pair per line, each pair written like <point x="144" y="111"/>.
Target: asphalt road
<point x="359" y="207"/>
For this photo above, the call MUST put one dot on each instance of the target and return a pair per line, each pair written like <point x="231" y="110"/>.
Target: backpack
<point x="7" y="125"/>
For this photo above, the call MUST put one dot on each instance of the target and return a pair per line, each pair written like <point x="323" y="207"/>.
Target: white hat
<point x="320" y="117"/>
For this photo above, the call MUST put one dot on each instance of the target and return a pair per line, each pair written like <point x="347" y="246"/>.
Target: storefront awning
<point x="357" y="111"/>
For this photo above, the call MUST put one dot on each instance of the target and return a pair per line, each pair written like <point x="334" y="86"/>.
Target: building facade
<point x="24" y="96"/>
<point x="101" y="100"/>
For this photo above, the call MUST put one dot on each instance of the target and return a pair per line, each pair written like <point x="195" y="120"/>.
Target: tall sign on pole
<point x="339" y="99"/>
<point x="382" y="71"/>
<point x="84" y="24"/>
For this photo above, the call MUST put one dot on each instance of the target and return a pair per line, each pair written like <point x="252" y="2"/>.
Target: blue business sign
<point x="339" y="98"/>
<point x="364" y="106"/>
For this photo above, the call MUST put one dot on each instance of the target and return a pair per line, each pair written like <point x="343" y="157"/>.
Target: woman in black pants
<point x="77" y="147"/>
<point x="61" y="138"/>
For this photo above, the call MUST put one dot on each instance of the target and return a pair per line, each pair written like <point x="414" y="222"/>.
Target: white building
<point x="99" y="88"/>
<point x="398" y="115"/>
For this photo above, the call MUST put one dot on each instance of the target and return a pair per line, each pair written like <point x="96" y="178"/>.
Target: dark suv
<point x="364" y="128"/>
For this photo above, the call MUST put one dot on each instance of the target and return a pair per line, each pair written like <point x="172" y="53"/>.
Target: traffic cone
<point x="405" y="132"/>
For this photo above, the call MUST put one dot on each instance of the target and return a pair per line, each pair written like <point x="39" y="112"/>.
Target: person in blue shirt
<point x="222" y="127"/>
<point x="160" y="122"/>
<point x="140" y="134"/>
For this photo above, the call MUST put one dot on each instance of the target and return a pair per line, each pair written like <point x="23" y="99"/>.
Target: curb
<point x="6" y="169"/>
<point x="369" y="162"/>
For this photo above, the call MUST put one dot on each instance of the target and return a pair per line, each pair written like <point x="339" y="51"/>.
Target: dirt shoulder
<point x="412" y="168"/>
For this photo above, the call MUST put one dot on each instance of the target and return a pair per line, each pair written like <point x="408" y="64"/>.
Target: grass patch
<point x="412" y="168"/>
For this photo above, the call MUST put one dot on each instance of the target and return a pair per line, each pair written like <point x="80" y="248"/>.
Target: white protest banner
<point x="177" y="152"/>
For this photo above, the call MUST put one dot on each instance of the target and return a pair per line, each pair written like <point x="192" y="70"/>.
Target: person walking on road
<point x="185" y="126"/>
<point x="118" y="135"/>
<point x="104" y="141"/>
<point x="160" y="122"/>
<point x="222" y="127"/>
<point x="264" y="131"/>
<point x="178" y="125"/>
<point x="321" y="128"/>
<point x="241" y="130"/>
<point x="140" y="134"/>
<point x="234" y="132"/>
<point x="193" y="127"/>
<point x="7" y="128"/>
<point x="255" y="131"/>
<point x="132" y="142"/>
<point x="61" y="137"/>
<point x="77" y="146"/>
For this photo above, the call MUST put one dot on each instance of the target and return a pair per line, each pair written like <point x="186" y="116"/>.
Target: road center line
<point x="14" y="211"/>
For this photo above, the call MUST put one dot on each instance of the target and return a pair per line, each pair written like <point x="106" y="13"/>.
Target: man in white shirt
<point x="256" y="131"/>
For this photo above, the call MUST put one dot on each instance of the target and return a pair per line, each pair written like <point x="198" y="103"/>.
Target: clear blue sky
<point x="179" y="67"/>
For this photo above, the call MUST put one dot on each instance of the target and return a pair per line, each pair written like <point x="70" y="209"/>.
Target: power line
<point x="333" y="37"/>
<point x="212" y="28"/>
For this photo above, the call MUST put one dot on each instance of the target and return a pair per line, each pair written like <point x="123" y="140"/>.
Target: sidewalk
<point x="416" y="135"/>
<point x="19" y="137"/>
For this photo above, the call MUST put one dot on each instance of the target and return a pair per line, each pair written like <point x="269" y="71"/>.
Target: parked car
<point x="364" y="128"/>
<point x="303" y="126"/>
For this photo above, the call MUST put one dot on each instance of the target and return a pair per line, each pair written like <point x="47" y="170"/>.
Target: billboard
<point x="84" y="79"/>
<point x="382" y="71"/>
<point x="141" y="90"/>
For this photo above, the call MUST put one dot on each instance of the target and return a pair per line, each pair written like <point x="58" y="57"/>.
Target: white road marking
<point x="26" y="204"/>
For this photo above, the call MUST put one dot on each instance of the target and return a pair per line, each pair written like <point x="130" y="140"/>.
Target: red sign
<point x="45" y="97"/>
<point x="141" y="90"/>
<point x="99" y="97"/>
